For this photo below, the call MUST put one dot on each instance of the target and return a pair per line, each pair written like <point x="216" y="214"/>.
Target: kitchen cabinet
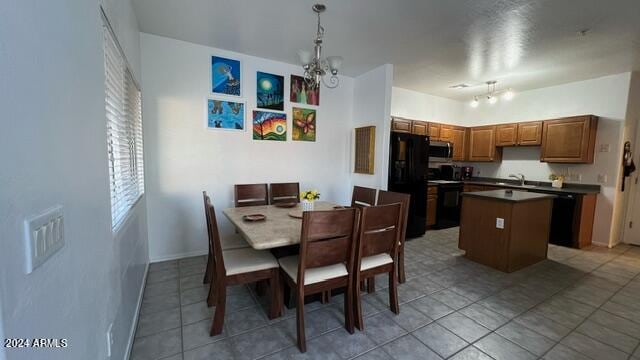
<point x="506" y="134"/>
<point x="434" y="131"/>
<point x="530" y="133"/>
<point x="569" y="140"/>
<point x="432" y="204"/>
<point x="456" y="135"/>
<point x="419" y="127"/>
<point x="401" y="125"/>
<point x="482" y="144"/>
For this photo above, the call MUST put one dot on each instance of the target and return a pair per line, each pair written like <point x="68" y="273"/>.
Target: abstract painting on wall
<point x="225" y="114"/>
<point x="269" y="91"/>
<point x="301" y="93"/>
<point x="304" y="124"/>
<point x="225" y="76"/>
<point x="269" y="126"/>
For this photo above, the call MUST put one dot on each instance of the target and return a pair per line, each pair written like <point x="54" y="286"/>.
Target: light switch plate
<point x="602" y="178"/>
<point x="499" y="223"/>
<point x="44" y="236"/>
<point x="605" y="148"/>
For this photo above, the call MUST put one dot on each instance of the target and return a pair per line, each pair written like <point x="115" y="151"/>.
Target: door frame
<point x="633" y="188"/>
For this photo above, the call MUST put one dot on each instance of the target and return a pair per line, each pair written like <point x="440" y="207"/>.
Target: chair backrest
<point x="363" y="196"/>
<point x="390" y="197"/>
<point x="251" y="195"/>
<point x="207" y="200"/>
<point x="214" y="238"/>
<point x="379" y="231"/>
<point x="327" y="238"/>
<point x="284" y="193"/>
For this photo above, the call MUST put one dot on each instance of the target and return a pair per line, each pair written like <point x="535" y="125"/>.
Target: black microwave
<point x="440" y="151"/>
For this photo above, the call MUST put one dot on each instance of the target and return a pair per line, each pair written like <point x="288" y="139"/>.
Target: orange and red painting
<point x="269" y="126"/>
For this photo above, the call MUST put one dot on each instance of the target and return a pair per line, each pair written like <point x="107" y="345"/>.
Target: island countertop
<point x="515" y="196"/>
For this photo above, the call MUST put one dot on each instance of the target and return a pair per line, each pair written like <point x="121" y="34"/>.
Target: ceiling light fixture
<point x="315" y="67"/>
<point x="492" y="95"/>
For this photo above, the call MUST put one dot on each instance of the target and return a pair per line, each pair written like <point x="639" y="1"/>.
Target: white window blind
<point x="124" y="132"/>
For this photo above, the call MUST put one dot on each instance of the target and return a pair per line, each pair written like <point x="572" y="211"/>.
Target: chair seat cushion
<point x="313" y="275"/>
<point x="238" y="261"/>
<point x="235" y="241"/>
<point x="373" y="261"/>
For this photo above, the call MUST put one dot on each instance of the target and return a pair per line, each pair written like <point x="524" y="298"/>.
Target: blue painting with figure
<point x="225" y="76"/>
<point x="270" y="91"/>
<point x="225" y="114"/>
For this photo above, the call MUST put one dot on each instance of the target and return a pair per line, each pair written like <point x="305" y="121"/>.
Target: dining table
<point x="280" y="227"/>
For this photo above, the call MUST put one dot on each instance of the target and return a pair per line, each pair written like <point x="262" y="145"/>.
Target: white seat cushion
<point x="238" y="261"/>
<point x="373" y="261"/>
<point x="314" y="275"/>
<point x="235" y="241"/>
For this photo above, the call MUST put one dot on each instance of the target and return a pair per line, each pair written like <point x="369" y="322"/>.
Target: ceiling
<point x="433" y="44"/>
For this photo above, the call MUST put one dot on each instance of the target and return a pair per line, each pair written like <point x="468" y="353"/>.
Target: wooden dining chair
<point x="284" y="193"/>
<point x="234" y="241"/>
<point x="251" y="195"/>
<point x="363" y="196"/>
<point x="238" y="266"/>
<point x="390" y="197"/>
<point x="325" y="261"/>
<point x="377" y="251"/>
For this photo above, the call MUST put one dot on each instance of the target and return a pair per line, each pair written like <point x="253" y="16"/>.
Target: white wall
<point x="605" y="97"/>
<point x="372" y="107"/>
<point x="184" y="157"/>
<point x="419" y="106"/>
<point x="54" y="139"/>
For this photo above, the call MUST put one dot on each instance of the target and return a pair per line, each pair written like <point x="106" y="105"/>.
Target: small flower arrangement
<point x="310" y="195"/>
<point x="554" y="177"/>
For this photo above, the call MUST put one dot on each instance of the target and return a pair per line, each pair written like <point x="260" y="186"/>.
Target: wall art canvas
<point x="304" y="124"/>
<point x="270" y="91"/>
<point x="223" y="114"/>
<point x="225" y="76"/>
<point x="269" y="126"/>
<point x="301" y="93"/>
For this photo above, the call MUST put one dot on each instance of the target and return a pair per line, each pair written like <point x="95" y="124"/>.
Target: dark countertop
<point x="515" y="196"/>
<point x="537" y="186"/>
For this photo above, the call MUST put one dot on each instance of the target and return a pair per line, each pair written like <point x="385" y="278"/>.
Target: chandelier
<point x="315" y="67"/>
<point x="492" y="94"/>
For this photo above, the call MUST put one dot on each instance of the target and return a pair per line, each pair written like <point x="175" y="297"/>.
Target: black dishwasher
<point x="562" y="217"/>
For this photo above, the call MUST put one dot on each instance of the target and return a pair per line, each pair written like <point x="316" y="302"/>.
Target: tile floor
<point x="579" y="304"/>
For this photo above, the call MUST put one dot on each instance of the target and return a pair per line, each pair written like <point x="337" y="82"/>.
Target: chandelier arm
<point x="334" y="81"/>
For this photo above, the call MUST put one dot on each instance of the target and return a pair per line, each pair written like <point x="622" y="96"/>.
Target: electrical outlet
<point x="109" y="340"/>
<point x="499" y="223"/>
<point x="602" y="178"/>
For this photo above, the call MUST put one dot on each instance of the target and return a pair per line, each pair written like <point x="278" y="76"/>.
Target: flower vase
<point x="556" y="183"/>
<point x="307" y="205"/>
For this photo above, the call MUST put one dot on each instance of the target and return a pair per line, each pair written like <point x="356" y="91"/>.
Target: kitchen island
<point x="506" y="230"/>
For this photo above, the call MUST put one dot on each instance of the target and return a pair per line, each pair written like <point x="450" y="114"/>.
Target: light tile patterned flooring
<point x="579" y="304"/>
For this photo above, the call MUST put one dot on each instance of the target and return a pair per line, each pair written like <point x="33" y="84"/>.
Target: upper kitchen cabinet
<point x="506" y="134"/>
<point x="456" y="135"/>
<point x="482" y="144"/>
<point x="419" y="127"/>
<point x="434" y="131"/>
<point x="401" y="125"/>
<point x="530" y="133"/>
<point x="569" y="140"/>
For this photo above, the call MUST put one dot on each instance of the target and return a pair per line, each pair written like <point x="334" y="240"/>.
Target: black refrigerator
<point x="408" y="165"/>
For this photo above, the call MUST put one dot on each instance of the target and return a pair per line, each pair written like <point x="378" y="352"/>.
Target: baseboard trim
<point x="132" y="332"/>
<point x="178" y="256"/>
<point x="601" y="244"/>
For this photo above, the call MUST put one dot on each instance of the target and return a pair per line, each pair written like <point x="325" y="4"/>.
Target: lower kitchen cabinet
<point x="432" y="204"/>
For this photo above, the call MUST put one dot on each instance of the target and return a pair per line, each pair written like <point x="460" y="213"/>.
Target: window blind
<point x="123" y="107"/>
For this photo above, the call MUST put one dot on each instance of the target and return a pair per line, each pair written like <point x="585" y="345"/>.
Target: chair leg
<point x="371" y="285"/>
<point x="348" y="308"/>
<point x="401" y="275"/>
<point x="357" y="306"/>
<point x="218" y="317"/>
<point x="276" y="304"/>
<point x="207" y="273"/>
<point x="393" y="290"/>
<point x="261" y="288"/>
<point x="286" y="293"/>
<point x="302" y="343"/>
<point x="324" y="299"/>
<point x="212" y="296"/>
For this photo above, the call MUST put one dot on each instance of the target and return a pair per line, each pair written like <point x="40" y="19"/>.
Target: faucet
<point x="519" y="177"/>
